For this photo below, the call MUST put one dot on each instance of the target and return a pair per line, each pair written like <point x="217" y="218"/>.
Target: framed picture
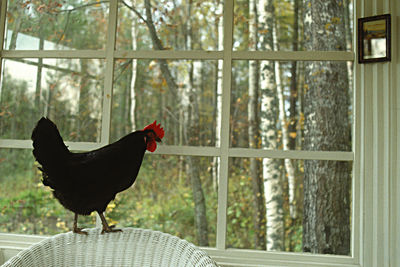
<point x="374" y="39"/>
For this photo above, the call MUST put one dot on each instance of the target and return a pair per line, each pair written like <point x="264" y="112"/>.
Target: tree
<point x="218" y="93"/>
<point x="190" y="112"/>
<point x="259" y="220"/>
<point x="132" y="110"/>
<point x="269" y="110"/>
<point x="191" y="133"/>
<point x="326" y="222"/>
<point x="291" y="123"/>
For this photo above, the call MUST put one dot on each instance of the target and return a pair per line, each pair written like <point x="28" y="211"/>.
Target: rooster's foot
<point x="106" y="227"/>
<point x="77" y="230"/>
<point x="110" y="229"/>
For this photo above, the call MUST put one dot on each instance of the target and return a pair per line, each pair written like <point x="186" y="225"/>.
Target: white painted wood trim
<point x="358" y="137"/>
<point x="109" y="73"/>
<point x="27" y="144"/>
<point x="294" y="55"/>
<point x="205" y="151"/>
<point x="11" y="244"/>
<point x="176" y="55"/>
<point x="394" y="140"/>
<point x="226" y="92"/>
<point x="291" y="154"/>
<point x="54" y="54"/>
<point x="167" y="54"/>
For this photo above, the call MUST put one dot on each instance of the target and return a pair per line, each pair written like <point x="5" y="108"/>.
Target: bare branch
<point x="135" y="11"/>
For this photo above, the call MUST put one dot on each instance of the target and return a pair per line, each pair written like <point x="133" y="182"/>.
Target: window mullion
<point x="108" y="79"/>
<point x="109" y="73"/>
<point x="226" y="92"/>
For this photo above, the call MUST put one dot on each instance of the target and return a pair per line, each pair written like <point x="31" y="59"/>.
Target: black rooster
<point x="86" y="182"/>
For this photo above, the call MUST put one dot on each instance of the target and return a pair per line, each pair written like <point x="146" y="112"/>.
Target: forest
<point x="274" y="204"/>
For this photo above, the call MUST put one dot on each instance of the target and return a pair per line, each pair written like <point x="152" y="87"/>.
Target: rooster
<point x="87" y="182"/>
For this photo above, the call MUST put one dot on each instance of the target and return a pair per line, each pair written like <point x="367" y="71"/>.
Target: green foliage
<point x="26" y="205"/>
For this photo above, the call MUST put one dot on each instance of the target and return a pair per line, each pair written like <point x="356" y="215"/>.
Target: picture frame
<point x="374" y="38"/>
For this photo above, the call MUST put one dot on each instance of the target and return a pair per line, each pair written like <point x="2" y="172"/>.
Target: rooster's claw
<point x="79" y="231"/>
<point x="110" y="230"/>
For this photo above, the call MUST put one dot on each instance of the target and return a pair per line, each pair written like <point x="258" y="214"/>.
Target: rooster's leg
<point x="76" y="229"/>
<point x="106" y="227"/>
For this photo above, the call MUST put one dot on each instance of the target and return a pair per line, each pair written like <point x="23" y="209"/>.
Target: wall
<point x="395" y="176"/>
<point x="380" y="85"/>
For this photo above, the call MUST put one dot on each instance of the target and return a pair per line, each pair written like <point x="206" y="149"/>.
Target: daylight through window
<point x="256" y="98"/>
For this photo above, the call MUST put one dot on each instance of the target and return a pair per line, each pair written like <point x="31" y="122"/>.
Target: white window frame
<point x="367" y="215"/>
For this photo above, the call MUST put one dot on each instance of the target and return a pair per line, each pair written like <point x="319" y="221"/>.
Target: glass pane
<point x="297" y="25"/>
<point x="176" y="25"/>
<point x="292" y="105"/>
<point x="172" y="194"/>
<point x="26" y="205"/>
<point x="68" y="91"/>
<point x="290" y="205"/>
<point x="181" y="95"/>
<point x="58" y="25"/>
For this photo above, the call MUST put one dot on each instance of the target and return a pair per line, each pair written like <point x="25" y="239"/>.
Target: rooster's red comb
<point x="156" y="128"/>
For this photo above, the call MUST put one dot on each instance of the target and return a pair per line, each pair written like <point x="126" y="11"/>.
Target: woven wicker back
<point x="132" y="247"/>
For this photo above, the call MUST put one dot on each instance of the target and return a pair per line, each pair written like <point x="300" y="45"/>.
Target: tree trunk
<point x="83" y="106"/>
<point x="269" y="109"/>
<point x="326" y="222"/>
<point x="292" y="122"/>
<point x="15" y="31"/>
<point x="254" y="135"/>
<point x="38" y="90"/>
<point x="191" y="134"/>
<point x="157" y="45"/>
<point x="132" y="110"/>
<point x="289" y="168"/>
<point x="191" y="129"/>
<point x="218" y="96"/>
<point x="293" y="80"/>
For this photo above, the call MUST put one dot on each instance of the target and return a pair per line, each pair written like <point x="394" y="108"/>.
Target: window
<point x="256" y="98"/>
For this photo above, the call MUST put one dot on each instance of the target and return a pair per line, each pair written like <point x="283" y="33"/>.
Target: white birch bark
<point x="216" y="164"/>
<point x="134" y="70"/>
<point x="285" y="135"/>
<point x="272" y="182"/>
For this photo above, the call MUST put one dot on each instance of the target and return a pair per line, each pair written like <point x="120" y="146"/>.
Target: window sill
<point x="11" y="244"/>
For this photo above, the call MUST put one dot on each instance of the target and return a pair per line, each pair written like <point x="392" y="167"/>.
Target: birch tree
<point x="269" y="108"/>
<point x="132" y="109"/>
<point x="218" y="94"/>
<point x="326" y="222"/>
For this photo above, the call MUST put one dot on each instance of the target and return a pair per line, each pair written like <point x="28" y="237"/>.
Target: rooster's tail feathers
<point x="48" y="147"/>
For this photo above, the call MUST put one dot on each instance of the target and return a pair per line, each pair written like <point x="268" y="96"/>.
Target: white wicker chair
<point x="132" y="247"/>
